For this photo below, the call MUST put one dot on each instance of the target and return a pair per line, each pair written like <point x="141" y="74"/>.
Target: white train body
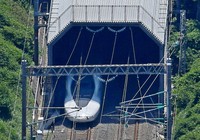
<point x="86" y="113"/>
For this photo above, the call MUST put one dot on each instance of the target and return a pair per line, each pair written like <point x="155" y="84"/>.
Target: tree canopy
<point x="186" y="106"/>
<point x="16" y="32"/>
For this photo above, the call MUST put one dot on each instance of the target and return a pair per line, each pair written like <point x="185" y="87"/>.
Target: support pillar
<point x="23" y="76"/>
<point x="169" y="117"/>
<point x="36" y="50"/>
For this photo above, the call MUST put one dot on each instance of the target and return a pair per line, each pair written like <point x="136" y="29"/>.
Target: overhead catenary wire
<point x="77" y="93"/>
<point x="50" y="118"/>
<point x="91" y="43"/>
<point x="138" y="82"/>
<point x="113" y="51"/>
<point x="134" y="56"/>
<point x="124" y="98"/>
<point x="129" y="102"/>
<point x="95" y="31"/>
<point x="70" y="59"/>
<point x="78" y="82"/>
<point x="58" y="77"/>
<point x="106" y="81"/>
<point x="75" y="45"/>
<point x="143" y="85"/>
<point x="135" y="62"/>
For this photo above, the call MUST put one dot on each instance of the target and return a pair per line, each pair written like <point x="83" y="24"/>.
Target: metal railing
<point x="105" y="14"/>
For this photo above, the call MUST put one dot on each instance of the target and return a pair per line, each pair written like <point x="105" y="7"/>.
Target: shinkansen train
<point x="81" y="109"/>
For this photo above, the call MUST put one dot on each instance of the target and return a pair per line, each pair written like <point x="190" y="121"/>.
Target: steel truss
<point x="114" y="69"/>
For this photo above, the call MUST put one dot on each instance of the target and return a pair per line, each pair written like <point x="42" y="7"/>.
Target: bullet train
<point x="75" y="110"/>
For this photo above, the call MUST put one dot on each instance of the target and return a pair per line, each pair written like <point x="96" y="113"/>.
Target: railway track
<point x="102" y="132"/>
<point x="120" y="131"/>
<point x="80" y="134"/>
<point x="130" y="131"/>
<point x="136" y="130"/>
<point x="62" y="133"/>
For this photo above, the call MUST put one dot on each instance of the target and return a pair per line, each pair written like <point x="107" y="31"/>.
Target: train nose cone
<point x="82" y="117"/>
<point x="88" y="108"/>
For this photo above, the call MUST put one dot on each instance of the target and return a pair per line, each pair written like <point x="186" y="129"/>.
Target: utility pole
<point x="23" y="76"/>
<point x="182" y="56"/>
<point x="168" y="103"/>
<point x="36" y="50"/>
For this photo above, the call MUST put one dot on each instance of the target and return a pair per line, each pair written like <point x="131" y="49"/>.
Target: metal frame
<point x="114" y="69"/>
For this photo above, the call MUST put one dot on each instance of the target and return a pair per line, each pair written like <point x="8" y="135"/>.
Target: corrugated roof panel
<point x="79" y="14"/>
<point x="105" y="14"/>
<point x="119" y="14"/>
<point x="106" y="2"/>
<point x="151" y="13"/>
<point x="132" y="14"/>
<point x="93" y="14"/>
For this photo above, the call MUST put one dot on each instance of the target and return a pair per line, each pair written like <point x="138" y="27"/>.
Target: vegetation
<point x="187" y="89"/>
<point x="187" y="86"/>
<point x="14" y="26"/>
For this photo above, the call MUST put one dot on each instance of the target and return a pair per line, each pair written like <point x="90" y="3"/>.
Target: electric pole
<point x="182" y="56"/>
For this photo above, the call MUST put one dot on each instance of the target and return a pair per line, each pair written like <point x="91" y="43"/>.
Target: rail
<point x="80" y="134"/>
<point x="104" y="14"/>
<point x="136" y="130"/>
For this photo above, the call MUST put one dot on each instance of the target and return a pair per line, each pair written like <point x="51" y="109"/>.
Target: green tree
<point x="187" y="89"/>
<point x="16" y="38"/>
